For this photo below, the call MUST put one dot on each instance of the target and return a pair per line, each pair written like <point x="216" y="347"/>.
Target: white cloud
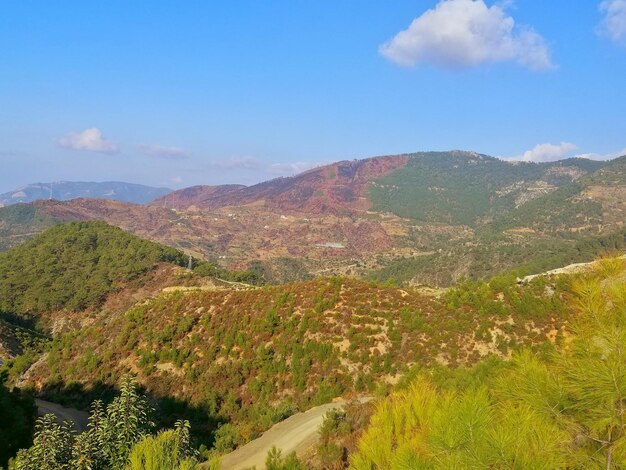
<point x="547" y="152"/>
<point x="555" y="152"/>
<point x="600" y="156"/>
<point x="176" y="179"/>
<point x="162" y="151"/>
<point x="249" y="163"/>
<point x="90" y="140"/>
<point x="613" y="24"/>
<point x="466" y="33"/>
<point x="288" y="169"/>
<point x="237" y="163"/>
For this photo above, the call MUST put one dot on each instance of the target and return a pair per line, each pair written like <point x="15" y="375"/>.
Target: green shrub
<point x="168" y="450"/>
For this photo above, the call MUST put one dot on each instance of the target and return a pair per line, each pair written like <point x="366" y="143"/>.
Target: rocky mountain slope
<point x="327" y="190"/>
<point x="440" y="187"/>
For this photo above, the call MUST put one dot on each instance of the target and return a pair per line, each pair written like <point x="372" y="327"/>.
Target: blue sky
<point x="177" y="93"/>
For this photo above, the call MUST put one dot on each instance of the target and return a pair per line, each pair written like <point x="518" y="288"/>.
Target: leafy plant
<point x="109" y="441"/>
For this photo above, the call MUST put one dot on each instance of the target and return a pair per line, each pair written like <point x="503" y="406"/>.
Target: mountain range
<point x="235" y="307"/>
<point x="66" y="190"/>
<point x="401" y="216"/>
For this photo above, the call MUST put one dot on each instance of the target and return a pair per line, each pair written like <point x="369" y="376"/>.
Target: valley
<point x="350" y="218"/>
<point x="313" y="235"/>
<point x="301" y="292"/>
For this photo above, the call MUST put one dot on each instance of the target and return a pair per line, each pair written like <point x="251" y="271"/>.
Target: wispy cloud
<point x="237" y="163"/>
<point x="10" y="153"/>
<point x="564" y="150"/>
<point x="288" y="169"/>
<point x="546" y="152"/>
<point x="90" y="140"/>
<point x="605" y="156"/>
<point x="467" y="33"/>
<point x="162" y="151"/>
<point x="613" y="24"/>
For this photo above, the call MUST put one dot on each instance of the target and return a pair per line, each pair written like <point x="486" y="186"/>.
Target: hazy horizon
<point x="243" y="92"/>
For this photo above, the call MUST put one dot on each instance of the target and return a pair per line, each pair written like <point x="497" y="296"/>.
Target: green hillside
<point x="74" y="266"/>
<point x="572" y="208"/>
<point x="560" y="409"/>
<point x="18" y="223"/>
<point x="251" y="358"/>
<point x="496" y="255"/>
<point x="461" y="187"/>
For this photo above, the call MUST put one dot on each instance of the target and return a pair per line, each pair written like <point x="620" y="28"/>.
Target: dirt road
<point x="79" y="418"/>
<point x="295" y="434"/>
<point x="569" y="269"/>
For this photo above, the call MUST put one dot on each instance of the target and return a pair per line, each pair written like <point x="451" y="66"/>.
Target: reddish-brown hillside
<point x="195" y="196"/>
<point x="237" y="235"/>
<point x="148" y="222"/>
<point x="325" y="190"/>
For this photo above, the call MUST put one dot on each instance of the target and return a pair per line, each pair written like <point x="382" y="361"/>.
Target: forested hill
<point x="74" y="266"/>
<point x="425" y="218"/>
<point x="559" y="409"/>
<point x="469" y="188"/>
<point x="253" y="357"/>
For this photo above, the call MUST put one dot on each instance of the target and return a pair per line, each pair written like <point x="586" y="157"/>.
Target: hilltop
<point x="61" y="278"/>
<point x="74" y="267"/>
<point x="66" y="190"/>
<point x="253" y="357"/>
<point x="330" y="189"/>
<point x="459" y="188"/>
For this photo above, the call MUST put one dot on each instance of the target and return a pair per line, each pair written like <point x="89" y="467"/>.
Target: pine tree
<point x="563" y="410"/>
<point x="168" y="450"/>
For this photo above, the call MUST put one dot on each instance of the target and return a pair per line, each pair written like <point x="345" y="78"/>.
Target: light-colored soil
<point x="298" y="433"/>
<point x="569" y="269"/>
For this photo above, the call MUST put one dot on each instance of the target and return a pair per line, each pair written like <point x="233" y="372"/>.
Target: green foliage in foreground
<point x="17" y="418"/>
<point x="168" y="450"/>
<point x="118" y="438"/>
<point x="276" y="461"/>
<point x="74" y="266"/>
<point x="566" y="410"/>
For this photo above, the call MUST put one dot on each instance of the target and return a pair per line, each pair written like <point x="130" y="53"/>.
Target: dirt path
<point x="295" y="434"/>
<point x="79" y="418"/>
<point x="569" y="269"/>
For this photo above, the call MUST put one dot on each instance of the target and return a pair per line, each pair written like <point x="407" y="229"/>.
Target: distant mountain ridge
<point x="327" y="189"/>
<point x="455" y="187"/>
<point x="429" y="218"/>
<point x="66" y="190"/>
